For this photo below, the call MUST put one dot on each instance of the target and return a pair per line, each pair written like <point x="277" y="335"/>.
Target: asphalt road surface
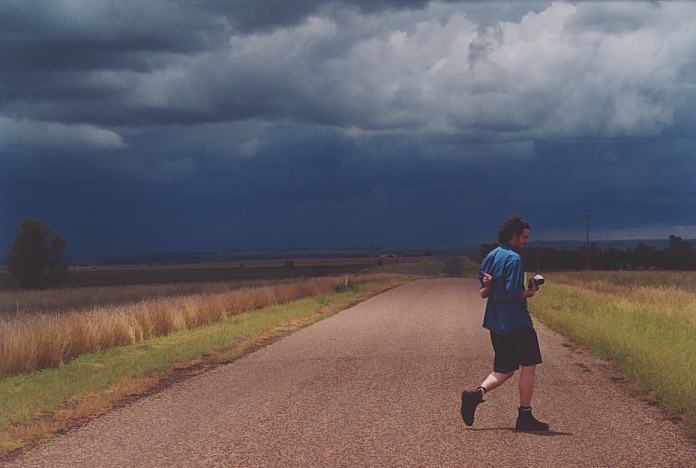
<point x="379" y="385"/>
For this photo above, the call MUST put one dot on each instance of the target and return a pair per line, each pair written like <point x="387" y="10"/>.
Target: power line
<point x="587" y="242"/>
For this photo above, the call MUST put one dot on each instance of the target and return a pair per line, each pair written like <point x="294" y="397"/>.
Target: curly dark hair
<point x="514" y="225"/>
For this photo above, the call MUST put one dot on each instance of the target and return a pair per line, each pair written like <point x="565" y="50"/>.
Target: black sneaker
<point x="527" y="422"/>
<point x="470" y="400"/>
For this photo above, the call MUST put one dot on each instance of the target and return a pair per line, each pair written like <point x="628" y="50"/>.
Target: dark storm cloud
<point x="268" y="14"/>
<point x="336" y="193"/>
<point x="250" y="186"/>
<point x="262" y="15"/>
<point x="49" y="35"/>
<point x="149" y="63"/>
<point x="244" y="125"/>
<point x="433" y="68"/>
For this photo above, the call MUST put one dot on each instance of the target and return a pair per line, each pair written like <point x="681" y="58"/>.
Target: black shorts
<point x="520" y="348"/>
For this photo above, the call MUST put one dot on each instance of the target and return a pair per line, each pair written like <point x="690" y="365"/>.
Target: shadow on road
<point x="512" y="429"/>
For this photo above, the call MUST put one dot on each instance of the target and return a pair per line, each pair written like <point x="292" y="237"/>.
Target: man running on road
<point x="513" y="337"/>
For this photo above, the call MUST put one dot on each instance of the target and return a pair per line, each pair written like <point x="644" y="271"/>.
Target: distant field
<point x="89" y="287"/>
<point x="644" y="322"/>
<point x="117" y="275"/>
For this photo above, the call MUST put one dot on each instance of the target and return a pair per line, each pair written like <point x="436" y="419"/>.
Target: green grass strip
<point x="23" y="397"/>
<point x="657" y="353"/>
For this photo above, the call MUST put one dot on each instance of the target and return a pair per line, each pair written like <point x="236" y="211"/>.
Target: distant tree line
<point x="678" y="255"/>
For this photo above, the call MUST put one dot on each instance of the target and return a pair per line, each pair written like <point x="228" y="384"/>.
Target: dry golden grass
<point x="19" y="301"/>
<point x="33" y="342"/>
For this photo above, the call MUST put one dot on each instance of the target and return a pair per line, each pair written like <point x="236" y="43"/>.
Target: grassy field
<point x="35" y="341"/>
<point x="42" y="402"/>
<point x="643" y="322"/>
<point x="57" y="300"/>
<point x="468" y="268"/>
<point x="682" y="280"/>
<point x="422" y="266"/>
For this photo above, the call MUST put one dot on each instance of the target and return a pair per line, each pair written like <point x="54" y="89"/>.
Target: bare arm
<point x="530" y="292"/>
<point x="487" y="285"/>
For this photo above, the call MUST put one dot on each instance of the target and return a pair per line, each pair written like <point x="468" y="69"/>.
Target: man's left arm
<point x="531" y="291"/>
<point x="514" y="284"/>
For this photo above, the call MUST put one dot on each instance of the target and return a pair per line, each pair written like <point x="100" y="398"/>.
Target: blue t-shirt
<point x="506" y="309"/>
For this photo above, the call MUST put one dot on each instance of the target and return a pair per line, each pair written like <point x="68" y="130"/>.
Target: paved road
<point x="376" y="385"/>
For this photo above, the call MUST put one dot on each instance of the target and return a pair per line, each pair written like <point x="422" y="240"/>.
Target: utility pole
<point x="587" y="241"/>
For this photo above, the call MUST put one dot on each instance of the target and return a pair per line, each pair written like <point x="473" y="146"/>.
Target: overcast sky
<point x="268" y="124"/>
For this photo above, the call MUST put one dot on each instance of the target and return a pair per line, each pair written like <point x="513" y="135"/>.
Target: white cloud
<point x="567" y="70"/>
<point x="34" y="134"/>
<point x="571" y="70"/>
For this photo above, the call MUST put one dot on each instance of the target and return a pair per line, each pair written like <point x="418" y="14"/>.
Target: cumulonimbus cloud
<point x="571" y="70"/>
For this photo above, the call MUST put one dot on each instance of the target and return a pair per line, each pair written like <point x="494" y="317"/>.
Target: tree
<point x="677" y="244"/>
<point x="35" y="259"/>
<point x="679" y="253"/>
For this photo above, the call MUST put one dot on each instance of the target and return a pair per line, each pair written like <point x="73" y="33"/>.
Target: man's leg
<point x="472" y="398"/>
<point x="495" y="379"/>
<point x="527" y="385"/>
<point x="525" y="420"/>
<point x="503" y="359"/>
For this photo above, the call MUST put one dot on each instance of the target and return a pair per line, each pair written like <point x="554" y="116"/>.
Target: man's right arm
<point x="486" y="280"/>
<point x="486" y="290"/>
